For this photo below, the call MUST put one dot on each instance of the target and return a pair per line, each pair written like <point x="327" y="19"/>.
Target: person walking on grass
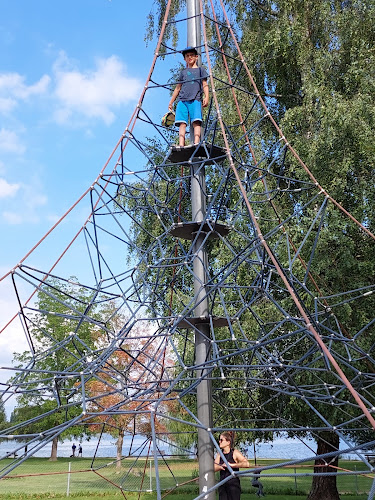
<point x="257" y="484"/>
<point x="231" y="490"/>
<point x="73" y="450"/>
<point x="192" y="92"/>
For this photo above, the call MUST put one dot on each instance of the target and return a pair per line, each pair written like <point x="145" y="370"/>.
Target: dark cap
<point x="189" y="49"/>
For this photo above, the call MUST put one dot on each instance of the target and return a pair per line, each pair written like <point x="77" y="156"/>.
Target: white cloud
<point x="97" y="93"/>
<point x="12" y="338"/>
<point x="26" y="207"/>
<point x="10" y="142"/>
<point x="12" y="218"/>
<point x="13" y="88"/>
<point x="7" y="189"/>
<point x="7" y="104"/>
<point x="93" y="94"/>
<point x="53" y="218"/>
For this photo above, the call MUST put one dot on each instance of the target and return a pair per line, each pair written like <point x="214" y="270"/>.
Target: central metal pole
<point x="202" y="335"/>
<point x="193" y="25"/>
<point x="194" y="36"/>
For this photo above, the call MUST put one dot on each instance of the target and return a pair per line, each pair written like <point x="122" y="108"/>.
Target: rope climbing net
<point x="110" y="326"/>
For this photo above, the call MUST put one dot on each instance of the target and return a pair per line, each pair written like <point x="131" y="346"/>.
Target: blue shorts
<point x="188" y="109"/>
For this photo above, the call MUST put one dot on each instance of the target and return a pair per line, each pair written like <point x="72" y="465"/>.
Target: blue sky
<point x="71" y="73"/>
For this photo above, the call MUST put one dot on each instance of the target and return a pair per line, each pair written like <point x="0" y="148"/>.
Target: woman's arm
<point x="217" y="465"/>
<point x="240" y="460"/>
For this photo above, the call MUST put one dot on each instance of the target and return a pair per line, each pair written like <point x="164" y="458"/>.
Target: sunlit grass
<point x="42" y="479"/>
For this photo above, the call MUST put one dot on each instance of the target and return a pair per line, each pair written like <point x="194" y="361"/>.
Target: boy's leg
<point x="182" y="117"/>
<point x="197" y="132"/>
<point x="181" y="134"/>
<point x="195" y="110"/>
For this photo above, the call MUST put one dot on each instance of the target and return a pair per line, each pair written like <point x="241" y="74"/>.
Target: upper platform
<point x="207" y="153"/>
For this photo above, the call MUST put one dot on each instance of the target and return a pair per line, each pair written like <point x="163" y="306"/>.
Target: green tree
<point x="313" y="63"/>
<point x="62" y="329"/>
<point x="129" y="371"/>
<point x="318" y="59"/>
<point x="3" y="417"/>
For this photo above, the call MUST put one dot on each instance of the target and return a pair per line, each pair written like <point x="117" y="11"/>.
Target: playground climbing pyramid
<point x="196" y="267"/>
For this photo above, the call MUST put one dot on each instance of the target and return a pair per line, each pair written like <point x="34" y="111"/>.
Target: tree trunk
<point x="119" y="443"/>
<point x="325" y="487"/>
<point x="53" y="456"/>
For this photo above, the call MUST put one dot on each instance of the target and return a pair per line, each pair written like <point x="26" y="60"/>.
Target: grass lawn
<point x="118" y="496"/>
<point x="39" y="478"/>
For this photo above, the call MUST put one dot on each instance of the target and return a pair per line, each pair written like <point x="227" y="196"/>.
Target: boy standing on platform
<point x="192" y="92"/>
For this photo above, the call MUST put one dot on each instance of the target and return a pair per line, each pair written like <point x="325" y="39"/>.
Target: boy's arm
<point x="206" y="93"/>
<point x="174" y="96"/>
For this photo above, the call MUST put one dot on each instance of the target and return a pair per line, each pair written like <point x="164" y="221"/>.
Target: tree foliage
<point x="313" y="62"/>
<point x="121" y="395"/>
<point x="47" y="399"/>
<point x="3" y="417"/>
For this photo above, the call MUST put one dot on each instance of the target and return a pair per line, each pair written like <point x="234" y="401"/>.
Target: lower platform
<point x="188" y="230"/>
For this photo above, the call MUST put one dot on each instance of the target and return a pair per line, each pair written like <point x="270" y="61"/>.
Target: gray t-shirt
<point x="191" y="79"/>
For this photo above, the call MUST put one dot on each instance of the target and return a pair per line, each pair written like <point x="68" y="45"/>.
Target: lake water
<point x="282" y="448"/>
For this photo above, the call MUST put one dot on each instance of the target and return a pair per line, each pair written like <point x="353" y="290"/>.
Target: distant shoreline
<point x="281" y="449"/>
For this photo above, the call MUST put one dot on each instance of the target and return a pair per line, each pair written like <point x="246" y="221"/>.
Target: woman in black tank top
<point x="231" y="489"/>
